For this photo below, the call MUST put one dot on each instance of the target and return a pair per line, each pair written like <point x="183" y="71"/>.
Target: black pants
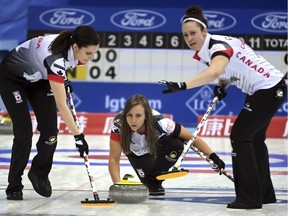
<point x="250" y="157"/>
<point x="147" y="167"/>
<point x="15" y="95"/>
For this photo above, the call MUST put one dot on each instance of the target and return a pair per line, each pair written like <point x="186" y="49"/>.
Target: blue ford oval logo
<point x="219" y="21"/>
<point x="138" y="19"/>
<point x="271" y="22"/>
<point x="66" y="18"/>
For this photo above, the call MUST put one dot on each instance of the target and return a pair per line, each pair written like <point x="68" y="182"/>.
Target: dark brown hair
<point x="150" y="127"/>
<point x="83" y="36"/>
<point x="197" y="13"/>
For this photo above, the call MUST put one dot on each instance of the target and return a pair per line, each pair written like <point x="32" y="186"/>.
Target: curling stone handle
<point x="126" y="176"/>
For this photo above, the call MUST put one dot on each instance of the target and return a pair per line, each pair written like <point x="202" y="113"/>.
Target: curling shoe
<point x="240" y="205"/>
<point x="15" y="195"/>
<point x="41" y="185"/>
<point x="156" y="191"/>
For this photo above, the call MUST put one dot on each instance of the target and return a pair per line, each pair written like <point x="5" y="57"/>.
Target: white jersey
<point x="247" y="70"/>
<point x="33" y="61"/>
<point x="138" y="144"/>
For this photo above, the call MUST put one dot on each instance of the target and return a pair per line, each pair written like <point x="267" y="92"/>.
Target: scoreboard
<point x="149" y="57"/>
<point x="152" y="56"/>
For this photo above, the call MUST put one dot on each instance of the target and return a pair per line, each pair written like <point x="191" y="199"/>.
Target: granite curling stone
<point x="127" y="191"/>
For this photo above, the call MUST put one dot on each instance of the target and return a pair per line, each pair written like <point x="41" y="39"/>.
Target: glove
<point x="81" y="144"/>
<point x="68" y="86"/>
<point x="217" y="161"/>
<point x="173" y="86"/>
<point x="220" y="92"/>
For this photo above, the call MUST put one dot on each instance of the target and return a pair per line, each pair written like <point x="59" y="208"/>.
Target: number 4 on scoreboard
<point x="111" y="72"/>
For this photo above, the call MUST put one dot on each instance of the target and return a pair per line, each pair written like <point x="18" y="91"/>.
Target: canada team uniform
<point x="33" y="61"/>
<point x="170" y="147"/>
<point x="248" y="71"/>
<point x="24" y="73"/>
<point x="266" y="91"/>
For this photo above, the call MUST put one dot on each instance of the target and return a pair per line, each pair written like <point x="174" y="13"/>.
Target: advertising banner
<point x="101" y="123"/>
<point x="112" y="19"/>
<point x="185" y="106"/>
<point x="220" y="126"/>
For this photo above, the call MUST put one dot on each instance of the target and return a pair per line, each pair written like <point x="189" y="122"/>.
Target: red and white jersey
<point x="33" y="61"/>
<point x="138" y="144"/>
<point x="246" y="69"/>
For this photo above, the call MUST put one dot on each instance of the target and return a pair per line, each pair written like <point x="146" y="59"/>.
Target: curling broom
<point x="175" y="172"/>
<point x="96" y="201"/>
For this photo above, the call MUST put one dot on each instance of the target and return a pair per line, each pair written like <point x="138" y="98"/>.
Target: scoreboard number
<point x="96" y="68"/>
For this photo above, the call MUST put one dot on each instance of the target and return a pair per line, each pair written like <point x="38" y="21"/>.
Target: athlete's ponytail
<point x="61" y="44"/>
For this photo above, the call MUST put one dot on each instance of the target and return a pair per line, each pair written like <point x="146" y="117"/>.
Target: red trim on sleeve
<point x="196" y="56"/>
<point x="229" y="52"/>
<point x="115" y="137"/>
<point x="56" y="78"/>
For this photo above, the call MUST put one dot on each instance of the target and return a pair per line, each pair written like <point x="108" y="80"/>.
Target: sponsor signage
<point x="215" y="126"/>
<point x="138" y="19"/>
<point x="156" y="19"/>
<point x="271" y="22"/>
<point x="185" y="106"/>
<point x="219" y="21"/>
<point x="220" y="126"/>
<point x="89" y="123"/>
<point x="66" y="18"/>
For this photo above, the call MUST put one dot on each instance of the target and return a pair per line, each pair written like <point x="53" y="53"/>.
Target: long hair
<point x="197" y="13"/>
<point x="83" y="36"/>
<point x="150" y="127"/>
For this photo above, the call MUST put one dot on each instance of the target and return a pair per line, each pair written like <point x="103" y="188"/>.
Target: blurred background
<point x="141" y="43"/>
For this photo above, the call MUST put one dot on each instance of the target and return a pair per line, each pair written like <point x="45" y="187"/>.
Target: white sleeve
<point x="167" y="125"/>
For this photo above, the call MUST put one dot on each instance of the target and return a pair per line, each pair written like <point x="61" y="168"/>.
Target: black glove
<point x="81" y="144"/>
<point x="68" y="86"/>
<point x="220" y="92"/>
<point x="173" y="86"/>
<point x="217" y="161"/>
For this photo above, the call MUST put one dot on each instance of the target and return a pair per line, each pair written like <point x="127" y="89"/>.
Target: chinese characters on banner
<point x="220" y="126"/>
<point x="215" y="126"/>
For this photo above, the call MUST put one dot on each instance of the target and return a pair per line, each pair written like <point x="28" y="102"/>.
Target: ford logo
<point x="219" y="21"/>
<point x="271" y="22"/>
<point x="66" y="18"/>
<point x="138" y="19"/>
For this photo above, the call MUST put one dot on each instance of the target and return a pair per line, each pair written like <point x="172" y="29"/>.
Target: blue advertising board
<point x="185" y="106"/>
<point x="230" y="21"/>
